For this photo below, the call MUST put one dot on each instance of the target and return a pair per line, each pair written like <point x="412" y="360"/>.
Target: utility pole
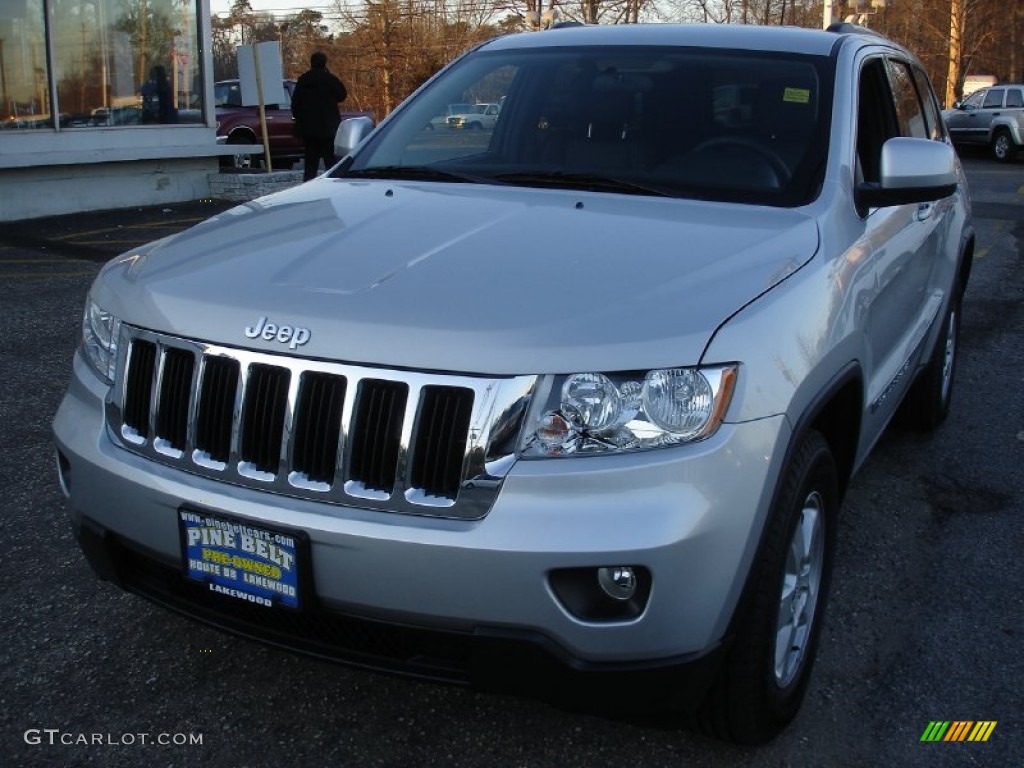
<point x="5" y="106"/>
<point x="956" y="46"/>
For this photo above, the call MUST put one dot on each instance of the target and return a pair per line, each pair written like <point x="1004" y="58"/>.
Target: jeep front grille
<point x="399" y="441"/>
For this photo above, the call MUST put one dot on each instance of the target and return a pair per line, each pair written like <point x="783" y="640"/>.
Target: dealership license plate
<point x="246" y="562"/>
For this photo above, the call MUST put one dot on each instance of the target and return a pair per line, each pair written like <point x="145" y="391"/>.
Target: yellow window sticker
<point x="797" y="95"/>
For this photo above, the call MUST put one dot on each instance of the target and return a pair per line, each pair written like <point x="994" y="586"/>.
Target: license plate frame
<point x="268" y="566"/>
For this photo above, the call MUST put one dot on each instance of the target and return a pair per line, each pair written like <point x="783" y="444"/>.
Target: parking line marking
<point x="150" y="225"/>
<point x="43" y="261"/>
<point x="38" y="275"/>
<point x="132" y="241"/>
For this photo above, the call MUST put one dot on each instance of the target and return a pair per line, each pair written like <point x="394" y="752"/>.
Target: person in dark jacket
<point x="315" y="109"/>
<point x="157" y="98"/>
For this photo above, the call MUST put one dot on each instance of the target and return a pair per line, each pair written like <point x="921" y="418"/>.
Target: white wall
<point x="28" y="193"/>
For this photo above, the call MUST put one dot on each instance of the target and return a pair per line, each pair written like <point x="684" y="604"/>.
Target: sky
<point x="277" y="7"/>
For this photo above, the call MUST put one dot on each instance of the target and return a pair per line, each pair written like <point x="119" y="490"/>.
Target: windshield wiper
<point x="414" y="173"/>
<point x="589" y="181"/>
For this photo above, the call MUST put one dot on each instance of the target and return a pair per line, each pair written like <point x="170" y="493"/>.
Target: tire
<point x="765" y="674"/>
<point x="1003" y="147"/>
<point x="927" y="403"/>
<point x="243" y="161"/>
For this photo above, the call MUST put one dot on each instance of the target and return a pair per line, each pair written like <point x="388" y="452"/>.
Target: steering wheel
<point x="777" y="164"/>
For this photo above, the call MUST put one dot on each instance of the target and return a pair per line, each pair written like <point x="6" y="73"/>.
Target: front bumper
<point x="488" y="658"/>
<point x="690" y="516"/>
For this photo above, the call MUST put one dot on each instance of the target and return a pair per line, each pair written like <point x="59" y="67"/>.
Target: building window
<point x="115" y="62"/>
<point x="24" y="75"/>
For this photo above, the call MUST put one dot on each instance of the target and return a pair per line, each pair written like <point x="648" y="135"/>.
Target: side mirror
<point x="958" y="105"/>
<point x="912" y="171"/>
<point x="350" y="133"/>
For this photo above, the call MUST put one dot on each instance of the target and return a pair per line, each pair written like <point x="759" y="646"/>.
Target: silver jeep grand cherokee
<point x="578" y="396"/>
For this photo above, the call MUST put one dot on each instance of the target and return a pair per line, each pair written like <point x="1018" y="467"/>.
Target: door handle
<point x="924" y="211"/>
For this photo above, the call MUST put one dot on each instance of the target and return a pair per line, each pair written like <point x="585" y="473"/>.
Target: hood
<point x="461" y="277"/>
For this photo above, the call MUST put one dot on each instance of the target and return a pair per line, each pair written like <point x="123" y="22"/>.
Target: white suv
<point x="577" y="397"/>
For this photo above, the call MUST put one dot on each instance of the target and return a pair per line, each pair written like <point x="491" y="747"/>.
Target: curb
<point x="241" y="187"/>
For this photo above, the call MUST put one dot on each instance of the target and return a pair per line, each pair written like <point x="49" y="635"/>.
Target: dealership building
<point x="105" y="103"/>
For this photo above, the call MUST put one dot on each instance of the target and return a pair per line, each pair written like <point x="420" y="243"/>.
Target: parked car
<point x="572" y="406"/>
<point x="120" y="115"/>
<point x="237" y="124"/>
<point x="992" y="117"/>
<point x="479" y="117"/>
<point x="440" y="120"/>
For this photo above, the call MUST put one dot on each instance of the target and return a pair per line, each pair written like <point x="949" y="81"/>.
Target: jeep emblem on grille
<point x="292" y="336"/>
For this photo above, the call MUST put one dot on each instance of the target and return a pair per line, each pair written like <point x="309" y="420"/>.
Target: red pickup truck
<point x="241" y="125"/>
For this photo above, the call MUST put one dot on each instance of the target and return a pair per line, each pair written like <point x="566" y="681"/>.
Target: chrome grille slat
<point x="139" y="388"/>
<point x="318" y="426"/>
<point x="349" y="435"/>
<point x="376" y="435"/>
<point x="441" y="434"/>
<point x="217" y="397"/>
<point x="175" y="398"/>
<point x="264" y="407"/>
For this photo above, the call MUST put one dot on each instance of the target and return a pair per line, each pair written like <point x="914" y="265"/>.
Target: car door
<point x="906" y="241"/>
<point x="979" y="122"/>
<point x="1013" y="106"/>
<point x="967" y="123"/>
<point x="281" y="126"/>
<point x="491" y="116"/>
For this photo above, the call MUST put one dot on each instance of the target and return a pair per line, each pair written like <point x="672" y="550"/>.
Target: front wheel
<point x="242" y="161"/>
<point x="767" y="669"/>
<point x="1003" y="147"/>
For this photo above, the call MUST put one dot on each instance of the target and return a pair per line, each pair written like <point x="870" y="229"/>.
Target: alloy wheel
<point x="801" y="583"/>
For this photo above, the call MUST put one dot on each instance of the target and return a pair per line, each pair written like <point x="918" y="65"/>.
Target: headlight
<point x="100" y="330"/>
<point x="588" y="413"/>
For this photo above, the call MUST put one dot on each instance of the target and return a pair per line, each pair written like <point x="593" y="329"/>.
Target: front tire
<point x="1003" y="147"/>
<point x="768" y="667"/>
<point x="243" y="161"/>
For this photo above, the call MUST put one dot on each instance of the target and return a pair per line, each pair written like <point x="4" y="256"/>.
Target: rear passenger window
<point x="930" y="104"/>
<point x="994" y="98"/>
<point x="1014" y="97"/>
<point x="909" y="113"/>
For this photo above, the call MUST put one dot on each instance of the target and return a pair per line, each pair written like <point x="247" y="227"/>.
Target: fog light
<point x="618" y="582"/>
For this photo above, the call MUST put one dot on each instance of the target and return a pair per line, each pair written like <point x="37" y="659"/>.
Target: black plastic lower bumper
<point x="489" y="658"/>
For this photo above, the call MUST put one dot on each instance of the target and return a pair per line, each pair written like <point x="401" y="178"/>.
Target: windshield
<point x="712" y="124"/>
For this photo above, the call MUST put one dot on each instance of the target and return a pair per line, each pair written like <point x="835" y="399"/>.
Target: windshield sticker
<point x="797" y="95"/>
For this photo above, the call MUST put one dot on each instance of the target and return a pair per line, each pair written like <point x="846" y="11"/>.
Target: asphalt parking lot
<point x="926" y="620"/>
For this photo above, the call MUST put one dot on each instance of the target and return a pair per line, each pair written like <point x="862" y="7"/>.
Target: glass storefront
<point x="24" y="71"/>
<point x="111" y="63"/>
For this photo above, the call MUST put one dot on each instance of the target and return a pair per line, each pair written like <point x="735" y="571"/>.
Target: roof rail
<point x="845" y="27"/>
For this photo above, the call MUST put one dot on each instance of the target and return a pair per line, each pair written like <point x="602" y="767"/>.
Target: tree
<point x="392" y="46"/>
